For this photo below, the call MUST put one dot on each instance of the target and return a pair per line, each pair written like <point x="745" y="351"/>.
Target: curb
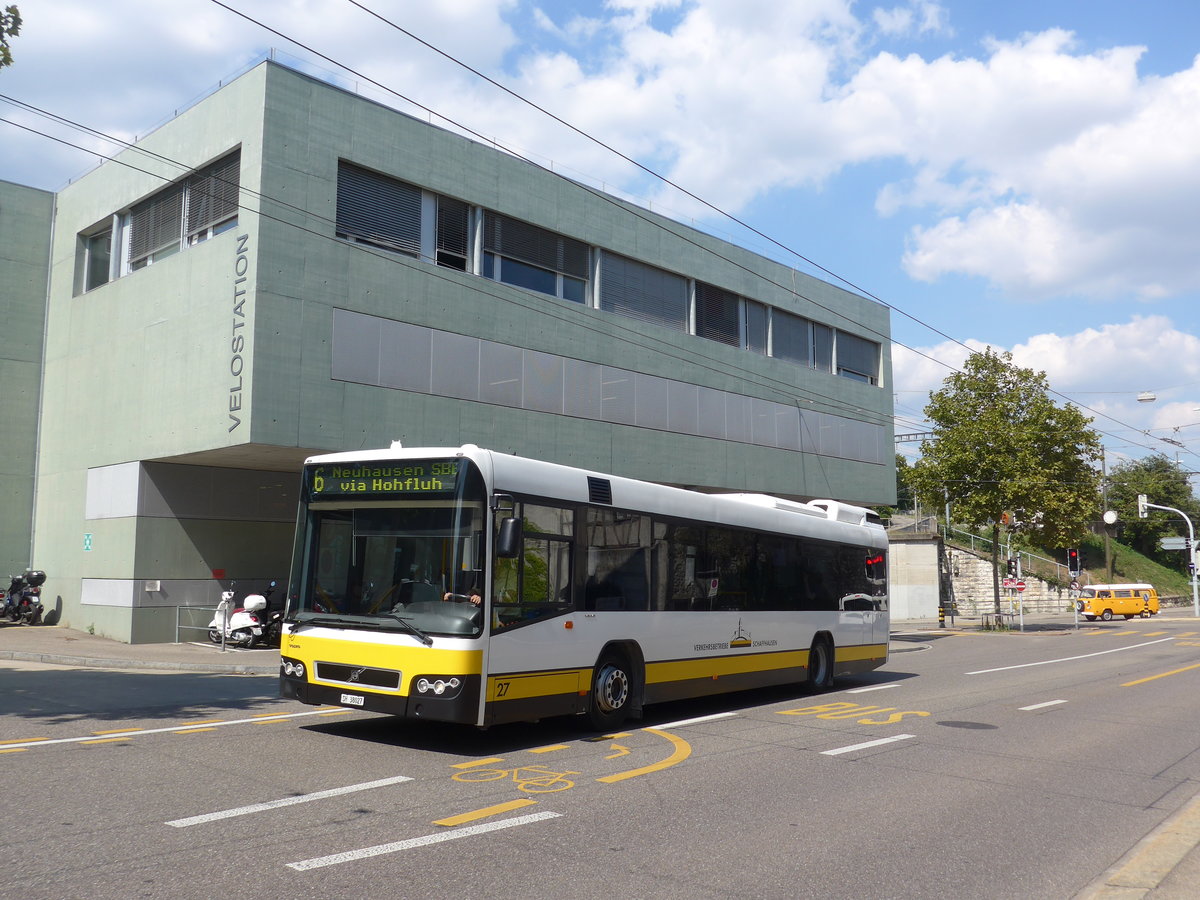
<point x="59" y="659"/>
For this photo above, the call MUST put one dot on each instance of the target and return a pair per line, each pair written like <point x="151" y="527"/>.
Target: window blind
<point x="643" y="292"/>
<point x="156" y="223"/>
<point x="717" y="314"/>
<point x="858" y="355"/>
<point x="378" y="210"/>
<point x="212" y="193"/>
<point x="452" y="228"/>
<point x="531" y="244"/>
<point x="790" y="338"/>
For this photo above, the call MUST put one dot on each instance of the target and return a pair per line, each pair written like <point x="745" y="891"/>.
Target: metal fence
<point x="191" y="622"/>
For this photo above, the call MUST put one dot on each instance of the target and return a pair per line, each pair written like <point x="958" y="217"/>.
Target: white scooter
<point x="241" y="626"/>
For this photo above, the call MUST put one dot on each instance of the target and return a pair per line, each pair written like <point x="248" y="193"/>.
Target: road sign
<point x="1173" y="543"/>
<point x="1020" y="586"/>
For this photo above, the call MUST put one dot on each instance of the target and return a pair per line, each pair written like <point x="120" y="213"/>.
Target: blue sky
<point x="1021" y="175"/>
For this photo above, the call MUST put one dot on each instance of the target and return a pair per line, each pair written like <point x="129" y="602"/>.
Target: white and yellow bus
<point x="466" y="585"/>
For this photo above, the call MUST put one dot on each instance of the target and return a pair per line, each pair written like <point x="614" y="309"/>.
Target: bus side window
<point x="617" y="575"/>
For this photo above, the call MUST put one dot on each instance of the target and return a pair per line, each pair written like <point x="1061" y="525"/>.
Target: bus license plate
<point x="352" y="699"/>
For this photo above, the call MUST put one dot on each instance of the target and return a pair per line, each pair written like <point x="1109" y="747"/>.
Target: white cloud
<point x="1038" y="167"/>
<point x="1101" y="370"/>
<point x="920" y="17"/>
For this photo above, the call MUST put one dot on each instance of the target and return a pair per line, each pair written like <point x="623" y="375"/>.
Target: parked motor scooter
<point x="23" y="601"/>
<point x="246" y="624"/>
<point x="272" y="619"/>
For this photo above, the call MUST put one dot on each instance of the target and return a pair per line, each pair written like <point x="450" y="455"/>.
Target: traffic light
<point x="1073" y="562"/>
<point x="1143" y="513"/>
<point x="1012" y="565"/>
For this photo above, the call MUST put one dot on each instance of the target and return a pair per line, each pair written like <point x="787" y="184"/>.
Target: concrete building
<point x="288" y="268"/>
<point x="25" y="224"/>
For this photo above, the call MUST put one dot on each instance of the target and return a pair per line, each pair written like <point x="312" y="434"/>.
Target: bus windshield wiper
<point x="302" y="619"/>
<point x="410" y="627"/>
<point x="363" y="623"/>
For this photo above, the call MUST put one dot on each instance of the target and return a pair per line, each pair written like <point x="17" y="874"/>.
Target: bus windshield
<point x="410" y="562"/>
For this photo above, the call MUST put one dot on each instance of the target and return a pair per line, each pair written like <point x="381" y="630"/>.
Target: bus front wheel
<point x="608" y="703"/>
<point x="820" y="666"/>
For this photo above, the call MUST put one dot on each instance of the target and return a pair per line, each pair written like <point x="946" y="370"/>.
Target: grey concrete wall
<point x="913" y="578"/>
<point x="306" y="273"/>
<point x="25" y="222"/>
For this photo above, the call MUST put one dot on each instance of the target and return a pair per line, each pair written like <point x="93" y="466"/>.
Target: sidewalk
<point x="66" y="647"/>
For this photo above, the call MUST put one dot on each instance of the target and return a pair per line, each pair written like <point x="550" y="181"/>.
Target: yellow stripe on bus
<point x="531" y="685"/>
<point x="538" y="684"/>
<point x="687" y="669"/>
<point x="865" y="651"/>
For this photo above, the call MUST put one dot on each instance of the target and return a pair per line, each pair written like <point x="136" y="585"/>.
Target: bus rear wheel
<point x="820" y="666"/>
<point x="608" y="702"/>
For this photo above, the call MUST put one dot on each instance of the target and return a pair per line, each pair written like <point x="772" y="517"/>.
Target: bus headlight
<point x="437" y="686"/>
<point x="293" y="668"/>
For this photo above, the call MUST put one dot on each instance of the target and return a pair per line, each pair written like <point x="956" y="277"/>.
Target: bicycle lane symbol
<point x="535" y="779"/>
<point x="530" y="779"/>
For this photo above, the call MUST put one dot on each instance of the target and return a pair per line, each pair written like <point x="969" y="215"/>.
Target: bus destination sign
<point x="410" y="478"/>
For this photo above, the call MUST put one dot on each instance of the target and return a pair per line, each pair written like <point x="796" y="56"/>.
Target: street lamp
<point x="1143" y="505"/>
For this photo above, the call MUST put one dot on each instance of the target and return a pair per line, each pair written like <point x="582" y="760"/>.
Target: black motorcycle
<point x="23" y="601"/>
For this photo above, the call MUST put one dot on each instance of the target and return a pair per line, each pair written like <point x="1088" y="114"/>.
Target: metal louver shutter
<point x="378" y="210"/>
<point x="643" y="292"/>
<point x="157" y="223"/>
<point x="452" y="226"/>
<point x="531" y="244"/>
<point x="716" y="314"/>
<point x="213" y="193"/>
<point x="857" y="354"/>
<point x="790" y="338"/>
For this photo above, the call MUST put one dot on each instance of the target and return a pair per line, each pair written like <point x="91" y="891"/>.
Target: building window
<point x="212" y="199"/>
<point x="857" y="358"/>
<point x="634" y="289"/>
<point x="755" y="315"/>
<point x="97" y="258"/>
<point x="156" y="227"/>
<point x="822" y="359"/>
<point x="791" y="338"/>
<point x="377" y="210"/>
<point x="717" y="315"/>
<point x="453" y="218"/>
<point x="187" y="212"/>
<point x="524" y="255"/>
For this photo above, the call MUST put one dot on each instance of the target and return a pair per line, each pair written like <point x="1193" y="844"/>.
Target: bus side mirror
<point x="508" y="544"/>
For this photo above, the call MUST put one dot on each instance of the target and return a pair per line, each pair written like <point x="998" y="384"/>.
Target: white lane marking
<point x="1041" y="705"/>
<point x="875" y="687"/>
<point x="207" y="725"/>
<point x="696" y="721"/>
<point x="867" y="745"/>
<point x="413" y="843"/>
<point x="1046" y="662"/>
<point x="286" y="801"/>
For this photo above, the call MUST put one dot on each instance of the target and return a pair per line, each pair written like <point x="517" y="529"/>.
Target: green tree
<point x="1163" y="482"/>
<point x="10" y="26"/>
<point x="1001" y="445"/>
<point x="904" y="491"/>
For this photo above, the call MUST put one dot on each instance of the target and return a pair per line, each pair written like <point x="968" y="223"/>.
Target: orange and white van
<point x="1107" y="600"/>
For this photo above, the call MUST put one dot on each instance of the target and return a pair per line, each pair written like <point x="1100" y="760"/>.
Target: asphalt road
<point x="975" y="765"/>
